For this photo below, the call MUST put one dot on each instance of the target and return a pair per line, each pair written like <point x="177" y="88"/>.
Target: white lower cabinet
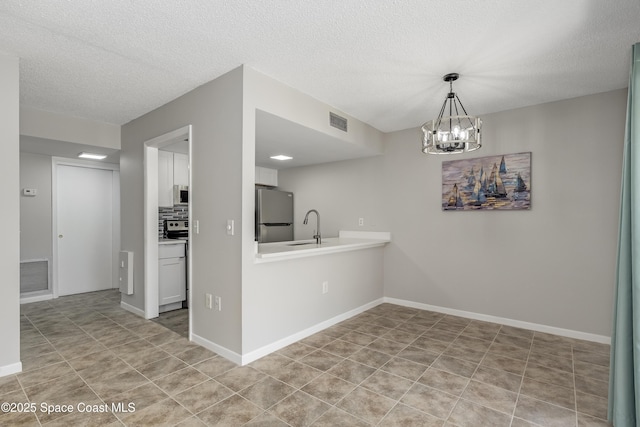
<point x="172" y="280"/>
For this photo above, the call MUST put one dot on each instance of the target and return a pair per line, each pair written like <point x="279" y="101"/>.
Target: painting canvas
<point x="487" y="183"/>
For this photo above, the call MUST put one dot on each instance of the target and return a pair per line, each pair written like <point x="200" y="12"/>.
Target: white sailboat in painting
<point x="478" y="196"/>
<point x="495" y="187"/>
<point x="455" y="201"/>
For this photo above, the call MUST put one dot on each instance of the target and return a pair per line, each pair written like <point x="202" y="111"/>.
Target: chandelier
<point x="454" y="133"/>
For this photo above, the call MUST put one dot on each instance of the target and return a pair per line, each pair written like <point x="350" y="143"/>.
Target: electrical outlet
<point x="217" y="301"/>
<point x="360" y="222"/>
<point x="208" y="300"/>
<point x="325" y="287"/>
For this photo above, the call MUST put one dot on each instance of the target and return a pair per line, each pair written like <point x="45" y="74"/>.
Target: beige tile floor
<point x="176" y="320"/>
<point x="389" y="366"/>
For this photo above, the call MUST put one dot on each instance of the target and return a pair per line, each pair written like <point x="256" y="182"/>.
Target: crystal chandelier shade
<point x="455" y="133"/>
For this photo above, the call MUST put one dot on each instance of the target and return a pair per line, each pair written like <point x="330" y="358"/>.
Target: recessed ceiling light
<point x="281" y="157"/>
<point x="92" y="156"/>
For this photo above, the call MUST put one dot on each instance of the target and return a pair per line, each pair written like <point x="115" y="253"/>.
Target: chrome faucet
<point x="306" y="220"/>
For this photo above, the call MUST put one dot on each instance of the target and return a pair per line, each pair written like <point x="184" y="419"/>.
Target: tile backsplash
<point x="176" y="212"/>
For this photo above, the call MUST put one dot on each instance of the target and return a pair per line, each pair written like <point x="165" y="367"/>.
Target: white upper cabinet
<point x="165" y="178"/>
<point x="173" y="169"/>
<point x="180" y="169"/>
<point x="266" y="176"/>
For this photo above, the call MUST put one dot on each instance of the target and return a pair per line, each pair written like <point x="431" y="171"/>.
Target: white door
<point x="84" y="227"/>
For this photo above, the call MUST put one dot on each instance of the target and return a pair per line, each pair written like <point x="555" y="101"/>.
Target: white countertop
<point x="346" y="241"/>
<point x="172" y="241"/>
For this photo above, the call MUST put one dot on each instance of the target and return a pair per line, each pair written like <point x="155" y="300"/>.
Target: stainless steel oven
<point x="176" y="229"/>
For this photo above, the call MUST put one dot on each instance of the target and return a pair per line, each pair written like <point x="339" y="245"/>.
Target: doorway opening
<point x="160" y="207"/>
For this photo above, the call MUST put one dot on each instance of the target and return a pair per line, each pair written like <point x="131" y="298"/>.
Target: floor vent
<point x="34" y="275"/>
<point x="337" y="122"/>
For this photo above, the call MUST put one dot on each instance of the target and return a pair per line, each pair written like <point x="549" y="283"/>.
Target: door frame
<point x="150" y="162"/>
<point x="115" y="213"/>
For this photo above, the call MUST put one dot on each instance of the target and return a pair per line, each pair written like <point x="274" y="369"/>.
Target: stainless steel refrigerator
<point x="274" y="215"/>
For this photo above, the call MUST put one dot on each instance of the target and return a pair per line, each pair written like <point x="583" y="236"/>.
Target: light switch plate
<point x="230" y="227"/>
<point x="208" y="301"/>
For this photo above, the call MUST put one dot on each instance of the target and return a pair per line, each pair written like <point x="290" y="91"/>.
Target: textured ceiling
<point x="380" y="61"/>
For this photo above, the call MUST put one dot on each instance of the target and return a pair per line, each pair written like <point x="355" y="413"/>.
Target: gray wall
<point x="552" y="265"/>
<point x="10" y="214"/>
<point x="215" y="112"/>
<point x="342" y="192"/>
<point x="283" y="298"/>
<point x="61" y="127"/>
<point x="35" y="212"/>
<point x="222" y="115"/>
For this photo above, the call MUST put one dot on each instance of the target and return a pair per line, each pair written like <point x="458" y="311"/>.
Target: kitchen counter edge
<point x="346" y="241"/>
<point x="172" y="241"/>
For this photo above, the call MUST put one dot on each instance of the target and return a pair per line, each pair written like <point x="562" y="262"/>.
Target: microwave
<point x="180" y="195"/>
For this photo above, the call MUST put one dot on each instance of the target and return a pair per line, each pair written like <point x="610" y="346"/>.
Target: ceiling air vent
<point x="337" y="122"/>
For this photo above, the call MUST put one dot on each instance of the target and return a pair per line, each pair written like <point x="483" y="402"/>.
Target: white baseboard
<point x="218" y="349"/>
<point x="277" y="345"/>
<point x="244" y="359"/>
<point x="169" y="307"/>
<point x="14" y="368"/>
<point x="36" y="298"/>
<point x="132" y="309"/>
<point x="503" y="321"/>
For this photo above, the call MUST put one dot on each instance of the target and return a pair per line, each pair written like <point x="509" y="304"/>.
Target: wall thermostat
<point x="29" y="192"/>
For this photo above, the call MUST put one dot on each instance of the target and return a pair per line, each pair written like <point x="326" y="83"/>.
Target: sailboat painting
<point x="487" y="183"/>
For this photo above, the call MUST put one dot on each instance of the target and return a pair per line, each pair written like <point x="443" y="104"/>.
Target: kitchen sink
<point x="301" y="243"/>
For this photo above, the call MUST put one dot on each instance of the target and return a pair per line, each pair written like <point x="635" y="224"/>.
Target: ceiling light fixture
<point x="281" y="157"/>
<point x="454" y="133"/>
<point x="92" y="156"/>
